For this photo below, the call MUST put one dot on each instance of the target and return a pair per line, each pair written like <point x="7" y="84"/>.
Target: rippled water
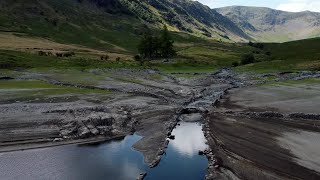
<point x="114" y="160"/>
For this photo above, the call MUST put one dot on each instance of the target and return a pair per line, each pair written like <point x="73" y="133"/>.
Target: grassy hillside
<point x="113" y="25"/>
<point x="92" y="28"/>
<point x="194" y="55"/>
<point x="290" y="56"/>
<point x="70" y="22"/>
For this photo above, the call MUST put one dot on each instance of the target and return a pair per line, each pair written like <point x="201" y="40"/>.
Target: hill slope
<point x="269" y="25"/>
<point x="112" y="24"/>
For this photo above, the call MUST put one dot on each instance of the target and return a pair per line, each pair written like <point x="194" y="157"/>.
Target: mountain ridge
<point x="270" y="25"/>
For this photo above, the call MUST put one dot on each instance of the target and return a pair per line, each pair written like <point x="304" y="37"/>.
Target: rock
<point x="194" y="117"/>
<point x="304" y="116"/>
<point x="116" y="132"/>
<point x="155" y="162"/>
<point x="6" y="78"/>
<point x="160" y="152"/>
<point x="66" y="132"/>
<point x="104" y="130"/>
<point x="57" y="139"/>
<point x="172" y="137"/>
<point x="166" y="143"/>
<point x="93" y="129"/>
<point x="201" y="153"/>
<point x="84" y="132"/>
<point x="193" y="109"/>
<point x="142" y="176"/>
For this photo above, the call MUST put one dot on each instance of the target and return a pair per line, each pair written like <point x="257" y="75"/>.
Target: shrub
<point x="42" y="53"/>
<point x="256" y="45"/>
<point x="268" y="53"/>
<point x="235" y="64"/>
<point x="104" y="57"/>
<point x="139" y="59"/>
<point x="68" y="54"/>
<point x="118" y="59"/>
<point x="247" y="59"/>
<point x="59" y="54"/>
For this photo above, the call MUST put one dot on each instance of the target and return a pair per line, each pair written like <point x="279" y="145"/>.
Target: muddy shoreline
<point x="247" y="139"/>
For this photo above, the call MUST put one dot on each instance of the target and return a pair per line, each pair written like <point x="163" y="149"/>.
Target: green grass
<point x="37" y="90"/>
<point x="290" y="56"/>
<point x="74" y="24"/>
<point x="306" y="82"/>
<point x="43" y="86"/>
<point x="14" y="60"/>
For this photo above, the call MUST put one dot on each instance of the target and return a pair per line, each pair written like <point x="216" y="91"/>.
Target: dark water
<point x="115" y="160"/>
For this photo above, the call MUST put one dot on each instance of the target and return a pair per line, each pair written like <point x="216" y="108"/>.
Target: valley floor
<point x="257" y="129"/>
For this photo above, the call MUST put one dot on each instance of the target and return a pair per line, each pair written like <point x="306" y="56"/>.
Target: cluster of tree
<point x="66" y="54"/>
<point x="256" y="45"/>
<point x="152" y="46"/>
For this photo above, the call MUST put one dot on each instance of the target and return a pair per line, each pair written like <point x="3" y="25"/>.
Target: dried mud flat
<point x="266" y="132"/>
<point x="145" y="102"/>
<point x="249" y="135"/>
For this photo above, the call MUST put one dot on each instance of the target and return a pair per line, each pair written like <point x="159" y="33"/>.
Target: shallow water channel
<point x="114" y="160"/>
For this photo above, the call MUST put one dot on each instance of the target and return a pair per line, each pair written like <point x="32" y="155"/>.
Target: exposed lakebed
<point x="110" y="160"/>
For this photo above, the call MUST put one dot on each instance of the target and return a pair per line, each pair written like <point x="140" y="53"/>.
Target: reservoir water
<point x="182" y="160"/>
<point x="114" y="160"/>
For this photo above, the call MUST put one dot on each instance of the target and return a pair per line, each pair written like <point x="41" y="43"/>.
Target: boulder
<point x="141" y="176"/>
<point x="155" y="162"/>
<point x="83" y="132"/>
<point x="194" y="117"/>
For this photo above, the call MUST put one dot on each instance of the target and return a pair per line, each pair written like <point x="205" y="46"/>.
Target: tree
<point x="145" y="46"/>
<point x="139" y="59"/>
<point x="151" y="46"/>
<point x="247" y="59"/>
<point x="166" y="44"/>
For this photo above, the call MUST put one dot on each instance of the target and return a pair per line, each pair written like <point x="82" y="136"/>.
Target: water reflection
<point x="189" y="139"/>
<point x="182" y="160"/>
<point x="113" y="160"/>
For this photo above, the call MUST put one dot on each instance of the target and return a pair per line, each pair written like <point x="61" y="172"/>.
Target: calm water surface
<point x="114" y="160"/>
<point x="182" y="160"/>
